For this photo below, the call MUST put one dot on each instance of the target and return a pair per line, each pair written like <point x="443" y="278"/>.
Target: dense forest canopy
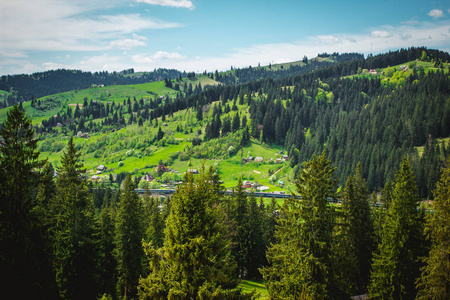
<point x="350" y="129"/>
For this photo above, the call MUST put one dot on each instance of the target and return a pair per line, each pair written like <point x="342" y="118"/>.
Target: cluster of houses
<point x="254" y="185"/>
<point x="283" y="159"/>
<point x="84" y="135"/>
<point x="100" y="170"/>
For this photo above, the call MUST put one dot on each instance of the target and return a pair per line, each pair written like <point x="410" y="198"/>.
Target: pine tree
<point x="300" y="258"/>
<point x="195" y="262"/>
<point x="395" y="265"/>
<point x="434" y="282"/>
<point x="129" y="234"/>
<point x="18" y="180"/>
<point x="73" y="229"/>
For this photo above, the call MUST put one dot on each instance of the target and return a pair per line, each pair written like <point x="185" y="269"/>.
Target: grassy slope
<point x="105" y="94"/>
<point x="230" y="168"/>
<point x="248" y="286"/>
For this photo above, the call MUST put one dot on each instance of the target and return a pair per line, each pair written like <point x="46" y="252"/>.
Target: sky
<point x="198" y="35"/>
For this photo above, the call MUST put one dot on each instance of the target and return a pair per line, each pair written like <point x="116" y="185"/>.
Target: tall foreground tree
<point x="395" y="266"/>
<point x="18" y="179"/>
<point x="434" y="282"/>
<point x="300" y="258"/>
<point x="195" y="262"/>
<point x="354" y="241"/>
<point x="73" y="229"/>
<point x="129" y="234"/>
<point x="107" y="263"/>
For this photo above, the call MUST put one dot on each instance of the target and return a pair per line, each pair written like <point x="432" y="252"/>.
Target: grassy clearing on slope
<point x="248" y="286"/>
<point x="446" y="141"/>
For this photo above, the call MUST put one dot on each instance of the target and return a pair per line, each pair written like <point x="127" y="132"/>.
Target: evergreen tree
<point x="155" y="222"/>
<point x="434" y="282"/>
<point x="195" y="262"/>
<point x="18" y="180"/>
<point x="107" y="263"/>
<point x="300" y="258"/>
<point x="256" y="252"/>
<point x="236" y="123"/>
<point x="129" y="234"/>
<point x="354" y="241"/>
<point x="240" y="237"/>
<point x="73" y="229"/>
<point x="395" y="265"/>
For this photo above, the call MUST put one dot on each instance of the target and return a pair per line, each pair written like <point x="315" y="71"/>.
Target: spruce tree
<point x="255" y="242"/>
<point x="73" y="229"/>
<point x="19" y="178"/>
<point x="395" y="265"/>
<point x="195" y="262"/>
<point x="434" y="282"/>
<point x="354" y="241"/>
<point x="107" y="263"/>
<point x="154" y="221"/>
<point x="129" y="234"/>
<point x="300" y="258"/>
<point x="240" y="237"/>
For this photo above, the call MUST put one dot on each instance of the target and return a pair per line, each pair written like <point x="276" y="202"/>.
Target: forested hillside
<point x="361" y="142"/>
<point x="374" y="117"/>
<point x="36" y="85"/>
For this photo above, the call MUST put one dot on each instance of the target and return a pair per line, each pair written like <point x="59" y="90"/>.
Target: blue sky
<point x="198" y="35"/>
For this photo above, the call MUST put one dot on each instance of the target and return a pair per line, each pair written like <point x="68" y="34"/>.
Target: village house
<point x="247" y="184"/>
<point x="193" y="171"/>
<point x="147" y="177"/>
<point x="259" y="159"/>
<point x="101" y="168"/>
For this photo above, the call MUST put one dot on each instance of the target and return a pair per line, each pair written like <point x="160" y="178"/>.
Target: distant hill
<point x="41" y="84"/>
<point x="371" y="110"/>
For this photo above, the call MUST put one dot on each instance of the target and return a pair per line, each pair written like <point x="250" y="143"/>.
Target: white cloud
<point x="404" y="36"/>
<point x="52" y="66"/>
<point x="12" y="54"/>
<point x="63" y="25"/>
<point x="328" y="39"/>
<point x="411" y="22"/>
<point x="126" y="44"/>
<point x="103" y="62"/>
<point x="138" y="37"/>
<point x="381" y="34"/>
<point x="157" y="57"/>
<point x="436" y="13"/>
<point x="24" y="68"/>
<point x="172" y="3"/>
